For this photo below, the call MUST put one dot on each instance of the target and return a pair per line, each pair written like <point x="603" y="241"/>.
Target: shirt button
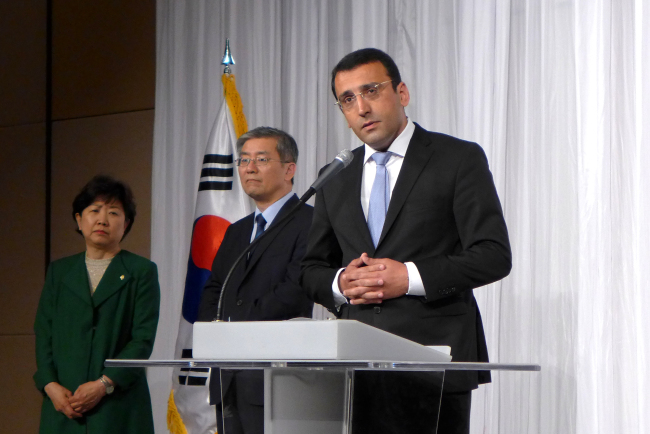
<point x="240" y="302"/>
<point x="377" y="309"/>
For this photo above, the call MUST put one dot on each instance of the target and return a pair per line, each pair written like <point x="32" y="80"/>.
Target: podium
<point x="313" y="370"/>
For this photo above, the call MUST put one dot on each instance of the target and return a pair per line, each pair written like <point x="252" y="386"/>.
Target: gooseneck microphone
<point x="341" y="161"/>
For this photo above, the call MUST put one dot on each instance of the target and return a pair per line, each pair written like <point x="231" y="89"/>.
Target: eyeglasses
<point x="370" y="93"/>
<point x="259" y="161"/>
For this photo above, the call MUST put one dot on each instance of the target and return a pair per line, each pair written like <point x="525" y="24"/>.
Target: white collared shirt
<point x="393" y="166"/>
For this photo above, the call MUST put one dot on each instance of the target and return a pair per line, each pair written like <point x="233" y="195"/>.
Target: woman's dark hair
<point x="107" y="189"/>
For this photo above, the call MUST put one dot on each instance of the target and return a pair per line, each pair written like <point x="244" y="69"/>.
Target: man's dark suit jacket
<point x="265" y="289"/>
<point x="444" y="215"/>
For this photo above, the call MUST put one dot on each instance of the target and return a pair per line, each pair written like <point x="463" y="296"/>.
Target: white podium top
<point x="311" y="344"/>
<point x="305" y="340"/>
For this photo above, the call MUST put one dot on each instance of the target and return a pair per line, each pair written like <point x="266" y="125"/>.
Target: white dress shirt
<point x="393" y="166"/>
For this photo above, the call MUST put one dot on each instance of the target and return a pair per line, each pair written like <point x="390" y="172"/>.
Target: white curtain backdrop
<point x="556" y="91"/>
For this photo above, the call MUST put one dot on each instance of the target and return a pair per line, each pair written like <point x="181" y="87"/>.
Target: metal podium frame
<point x="380" y="365"/>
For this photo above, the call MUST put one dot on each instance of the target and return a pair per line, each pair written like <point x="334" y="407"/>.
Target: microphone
<point x="341" y="161"/>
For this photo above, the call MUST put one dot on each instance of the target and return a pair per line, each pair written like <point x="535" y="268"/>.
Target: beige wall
<point x="102" y="87"/>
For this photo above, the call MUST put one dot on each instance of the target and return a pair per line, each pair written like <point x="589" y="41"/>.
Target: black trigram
<point x="200" y="376"/>
<point x="213" y="175"/>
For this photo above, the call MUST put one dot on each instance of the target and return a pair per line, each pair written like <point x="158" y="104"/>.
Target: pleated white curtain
<point x="556" y="92"/>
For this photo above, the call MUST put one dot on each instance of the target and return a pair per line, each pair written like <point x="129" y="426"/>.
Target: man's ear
<point x="403" y="92"/>
<point x="290" y="171"/>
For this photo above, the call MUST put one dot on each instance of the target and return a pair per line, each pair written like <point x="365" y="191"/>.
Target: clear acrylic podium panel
<point x="341" y="400"/>
<point x="328" y="396"/>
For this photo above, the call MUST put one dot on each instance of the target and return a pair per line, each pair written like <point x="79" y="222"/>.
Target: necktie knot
<point x="381" y="158"/>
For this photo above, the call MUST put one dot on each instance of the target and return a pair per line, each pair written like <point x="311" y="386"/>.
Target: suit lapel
<point x="114" y="279"/>
<point x="355" y="175"/>
<point x="242" y="240"/>
<point x="76" y="281"/>
<point x="268" y="239"/>
<point x="417" y="156"/>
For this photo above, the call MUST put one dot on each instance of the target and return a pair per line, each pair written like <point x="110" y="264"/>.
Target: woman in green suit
<point x="97" y="305"/>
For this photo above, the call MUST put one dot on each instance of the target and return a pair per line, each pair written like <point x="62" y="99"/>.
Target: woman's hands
<point x="60" y="397"/>
<point x="85" y="398"/>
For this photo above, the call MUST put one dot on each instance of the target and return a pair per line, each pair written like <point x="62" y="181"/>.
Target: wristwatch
<point x="109" y="387"/>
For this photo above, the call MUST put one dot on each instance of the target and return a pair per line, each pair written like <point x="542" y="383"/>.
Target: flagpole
<point x="220" y="201"/>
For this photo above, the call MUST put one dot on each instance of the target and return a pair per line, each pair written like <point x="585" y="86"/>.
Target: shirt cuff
<point x="416" y="287"/>
<point x="339" y="299"/>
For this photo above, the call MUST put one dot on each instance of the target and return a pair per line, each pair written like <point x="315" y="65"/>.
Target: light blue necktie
<point x="379" y="196"/>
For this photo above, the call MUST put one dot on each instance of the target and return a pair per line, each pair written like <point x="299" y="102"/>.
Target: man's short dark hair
<point x="285" y="144"/>
<point x="108" y="189"/>
<point x="363" y="57"/>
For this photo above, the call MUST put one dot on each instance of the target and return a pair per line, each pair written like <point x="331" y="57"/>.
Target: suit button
<point x="377" y="309"/>
<point x="240" y="302"/>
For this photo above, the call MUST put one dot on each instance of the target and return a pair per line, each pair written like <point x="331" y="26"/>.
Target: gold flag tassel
<point x="175" y="423"/>
<point x="234" y="104"/>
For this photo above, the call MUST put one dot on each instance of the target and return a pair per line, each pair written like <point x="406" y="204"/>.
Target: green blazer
<point x="77" y="332"/>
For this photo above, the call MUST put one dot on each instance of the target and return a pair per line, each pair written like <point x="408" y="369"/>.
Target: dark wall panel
<point x="22" y="219"/>
<point x="103" y="57"/>
<point x="22" y="62"/>
<point x="118" y="145"/>
<point x="103" y="81"/>
<point x="20" y="401"/>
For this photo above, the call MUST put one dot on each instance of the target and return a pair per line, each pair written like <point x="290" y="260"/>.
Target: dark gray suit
<point x="264" y="288"/>
<point x="445" y="216"/>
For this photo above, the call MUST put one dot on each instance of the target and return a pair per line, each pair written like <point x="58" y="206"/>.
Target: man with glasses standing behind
<point x="265" y="285"/>
<point x="400" y="238"/>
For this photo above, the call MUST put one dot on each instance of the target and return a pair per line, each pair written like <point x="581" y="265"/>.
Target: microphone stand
<point x="305" y="197"/>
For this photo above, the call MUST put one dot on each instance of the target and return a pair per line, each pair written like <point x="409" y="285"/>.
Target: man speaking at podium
<point x="402" y="236"/>
<point x="265" y="285"/>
